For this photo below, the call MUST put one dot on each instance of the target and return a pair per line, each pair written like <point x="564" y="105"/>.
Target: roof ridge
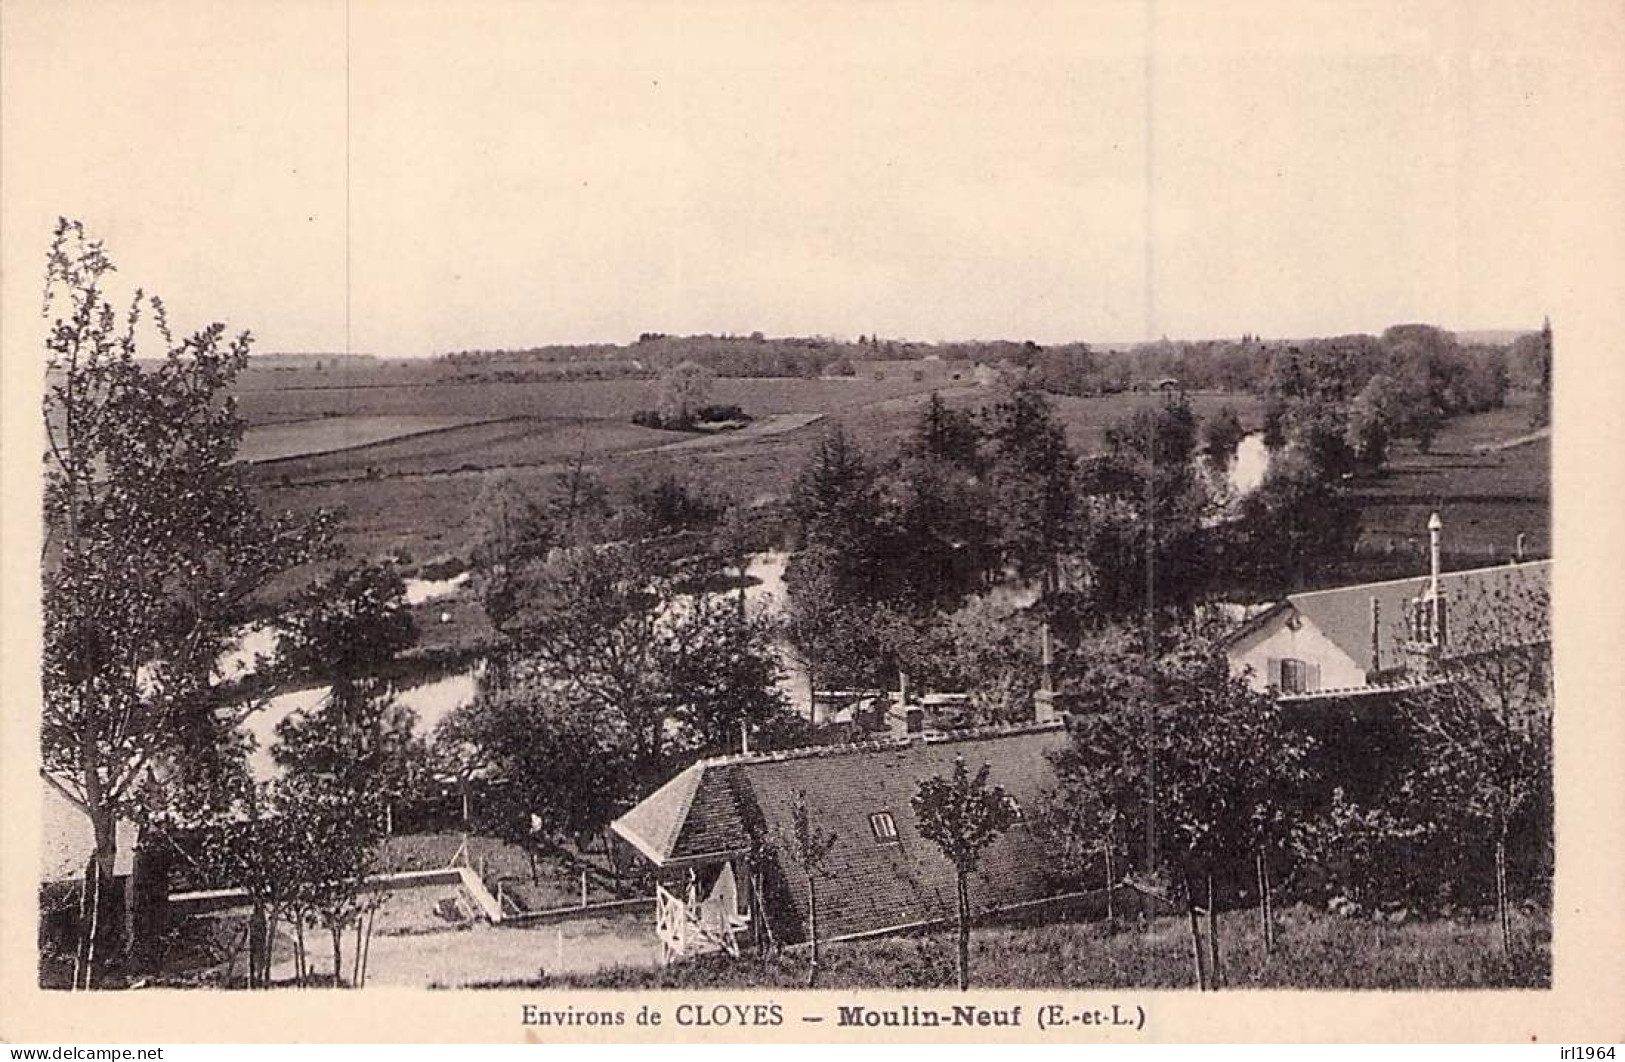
<point x="944" y="737"/>
<point x="1413" y="578"/>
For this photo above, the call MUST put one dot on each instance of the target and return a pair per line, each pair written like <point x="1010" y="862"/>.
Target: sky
<point x="410" y="178"/>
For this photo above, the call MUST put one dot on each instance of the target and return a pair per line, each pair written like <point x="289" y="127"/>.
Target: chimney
<point x="1046" y="657"/>
<point x="1044" y="706"/>
<point x="1435" y="544"/>
<point x="902" y="686"/>
<point x="1376" y="635"/>
<point x="1427" y="620"/>
<point x="1520" y="545"/>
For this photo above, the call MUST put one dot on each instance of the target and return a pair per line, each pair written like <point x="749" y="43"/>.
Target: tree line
<point x="983" y="525"/>
<point x="1454" y="374"/>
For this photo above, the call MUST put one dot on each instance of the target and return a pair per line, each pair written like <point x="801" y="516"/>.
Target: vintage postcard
<point x="1049" y="522"/>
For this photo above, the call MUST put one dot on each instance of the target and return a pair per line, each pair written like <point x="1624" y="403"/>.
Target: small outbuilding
<point x="718" y="837"/>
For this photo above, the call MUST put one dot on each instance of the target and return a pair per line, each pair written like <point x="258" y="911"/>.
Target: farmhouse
<point x="719" y="837"/>
<point x="1373" y="637"/>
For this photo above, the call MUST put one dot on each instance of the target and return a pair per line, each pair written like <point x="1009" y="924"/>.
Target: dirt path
<point x="1517" y="440"/>
<point x="773" y="424"/>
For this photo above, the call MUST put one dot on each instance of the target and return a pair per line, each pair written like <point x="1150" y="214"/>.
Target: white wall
<point x="1276" y="637"/>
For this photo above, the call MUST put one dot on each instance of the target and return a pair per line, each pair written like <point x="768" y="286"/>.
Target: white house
<point x="1373" y="636"/>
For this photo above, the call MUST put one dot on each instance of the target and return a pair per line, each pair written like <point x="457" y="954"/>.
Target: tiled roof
<point x="1487" y="606"/>
<point x="653" y="827"/>
<point x="717" y="806"/>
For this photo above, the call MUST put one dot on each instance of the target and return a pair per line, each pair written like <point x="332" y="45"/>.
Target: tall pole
<point x="1150" y="721"/>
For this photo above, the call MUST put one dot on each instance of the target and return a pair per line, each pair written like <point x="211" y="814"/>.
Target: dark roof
<point x="1488" y="608"/>
<point x="695" y="816"/>
<point x="712" y="811"/>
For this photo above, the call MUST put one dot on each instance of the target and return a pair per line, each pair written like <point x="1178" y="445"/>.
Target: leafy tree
<point x="809" y="846"/>
<point x="1273" y="428"/>
<point x="303" y="847"/>
<point x="1529" y="363"/>
<point x="722" y="670"/>
<point x="1373" y="417"/>
<point x="153" y="545"/>
<point x="1221" y="435"/>
<point x="349" y="625"/>
<point x="938" y="532"/>
<point x="1033" y="488"/>
<point x="989" y="648"/>
<point x="347" y="763"/>
<point x="348" y="629"/>
<point x="668" y="505"/>
<point x="1363" y="852"/>
<point x="581" y="505"/>
<point x="833" y="639"/>
<point x="945" y="434"/>
<point x="684" y="388"/>
<point x="655" y="670"/>
<point x="1289" y="376"/>
<point x="962" y="815"/>
<point x="1296" y="522"/>
<point x="253" y="849"/>
<point x="1087" y="834"/>
<point x="590" y="623"/>
<point x="334" y="833"/>
<point x="837" y="511"/>
<point x="1170" y="427"/>
<point x="1148" y="503"/>
<point x="553" y="777"/>
<point x="837" y="575"/>
<point x="1228" y="769"/>
<point x="1317" y="431"/>
<point x="1484" y="728"/>
<point x="510" y="530"/>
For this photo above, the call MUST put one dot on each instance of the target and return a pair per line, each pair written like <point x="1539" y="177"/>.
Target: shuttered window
<point x="1298" y="676"/>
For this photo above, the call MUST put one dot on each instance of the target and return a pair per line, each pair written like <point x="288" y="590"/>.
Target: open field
<point x="1314" y="950"/>
<point x="282" y="440"/>
<point x="430" y="390"/>
<point x="414" y="494"/>
<point x="1486" y="497"/>
<point x="472" y="447"/>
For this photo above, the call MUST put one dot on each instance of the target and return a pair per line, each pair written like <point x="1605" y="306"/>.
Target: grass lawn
<point x="1314" y="950"/>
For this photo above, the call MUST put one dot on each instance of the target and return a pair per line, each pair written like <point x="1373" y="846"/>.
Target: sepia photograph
<point x="561" y="498"/>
